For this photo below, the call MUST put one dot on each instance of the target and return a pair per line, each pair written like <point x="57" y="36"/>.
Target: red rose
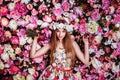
<point x="15" y="40"/>
<point x="3" y="10"/>
<point x="107" y="49"/>
<point x="14" y="69"/>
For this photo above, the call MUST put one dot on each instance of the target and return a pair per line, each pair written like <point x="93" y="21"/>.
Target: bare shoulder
<point x="74" y="43"/>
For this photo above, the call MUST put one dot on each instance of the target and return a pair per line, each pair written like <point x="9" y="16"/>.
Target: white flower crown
<point x="57" y="25"/>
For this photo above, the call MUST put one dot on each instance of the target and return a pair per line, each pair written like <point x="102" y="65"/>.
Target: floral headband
<point x="57" y="25"/>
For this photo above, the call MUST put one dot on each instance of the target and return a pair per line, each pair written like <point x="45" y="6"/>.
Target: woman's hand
<point x="85" y="40"/>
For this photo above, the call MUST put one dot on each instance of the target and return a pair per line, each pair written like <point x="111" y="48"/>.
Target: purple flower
<point x="77" y="11"/>
<point x="57" y="11"/>
<point x="66" y="6"/>
<point x="116" y="18"/>
<point x="95" y="15"/>
<point x="105" y="4"/>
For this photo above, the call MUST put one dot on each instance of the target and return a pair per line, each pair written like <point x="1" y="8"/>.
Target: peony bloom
<point x="13" y="24"/>
<point x="3" y="10"/>
<point x="92" y="26"/>
<point x="4" y="21"/>
<point x="47" y="18"/>
<point x="14" y="40"/>
<point x="57" y="10"/>
<point x="15" y="14"/>
<point x="21" y="8"/>
<point x="65" y="6"/>
<point x="11" y="6"/>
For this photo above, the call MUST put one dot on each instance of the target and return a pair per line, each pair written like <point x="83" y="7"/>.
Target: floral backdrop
<point x="20" y="20"/>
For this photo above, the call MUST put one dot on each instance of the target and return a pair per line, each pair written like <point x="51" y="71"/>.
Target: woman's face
<point x="61" y="33"/>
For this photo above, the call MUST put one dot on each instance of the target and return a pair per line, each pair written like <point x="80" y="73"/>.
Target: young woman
<point x="62" y="55"/>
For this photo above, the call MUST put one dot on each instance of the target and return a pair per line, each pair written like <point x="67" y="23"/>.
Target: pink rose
<point x="107" y="49"/>
<point x="14" y="69"/>
<point x="4" y="21"/>
<point x="36" y="1"/>
<point x="42" y="8"/>
<point x="47" y="18"/>
<point x="57" y="11"/>
<point x="15" y="40"/>
<point x="31" y="26"/>
<point x="95" y="15"/>
<point x="116" y="18"/>
<point x="21" y="8"/>
<point x="22" y="32"/>
<point x="66" y="6"/>
<point x="30" y="6"/>
<point x="72" y="16"/>
<point x="118" y="10"/>
<point x="3" y="10"/>
<point x="15" y="14"/>
<point x="34" y="12"/>
<point x="77" y="11"/>
<point x="1" y="1"/>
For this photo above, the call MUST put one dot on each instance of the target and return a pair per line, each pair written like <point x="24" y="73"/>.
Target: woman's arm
<point x="40" y="52"/>
<point x="79" y="54"/>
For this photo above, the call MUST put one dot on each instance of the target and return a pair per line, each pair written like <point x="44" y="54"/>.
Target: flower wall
<point x="20" y="20"/>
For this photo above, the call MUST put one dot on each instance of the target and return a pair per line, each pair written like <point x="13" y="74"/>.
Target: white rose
<point x="23" y="40"/>
<point x="115" y="68"/>
<point x="96" y="63"/>
<point x="118" y="34"/>
<point x="117" y="25"/>
<point x="45" y="24"/>
<point x="31" y="71"/>
<point x="5" y="57"/>
<point x="7" y="65"/>
<point x="1" y="65"/>
<point x="29" y="40"/>
<point x="18" y="77"/>
<point x="39" y="22"/>
<point x="98" y="38"/>
<point x="11" y="6"/>
<point x="29" y="77"/>
<point x="13" y="25"/>
<point x="92" y="26"/>
<point x="114" y="45"/>
<point x="69" y="28"/>
<point x="25" y="1"/>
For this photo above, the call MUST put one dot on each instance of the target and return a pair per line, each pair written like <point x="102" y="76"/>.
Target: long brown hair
<point x="67" y="44"/>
